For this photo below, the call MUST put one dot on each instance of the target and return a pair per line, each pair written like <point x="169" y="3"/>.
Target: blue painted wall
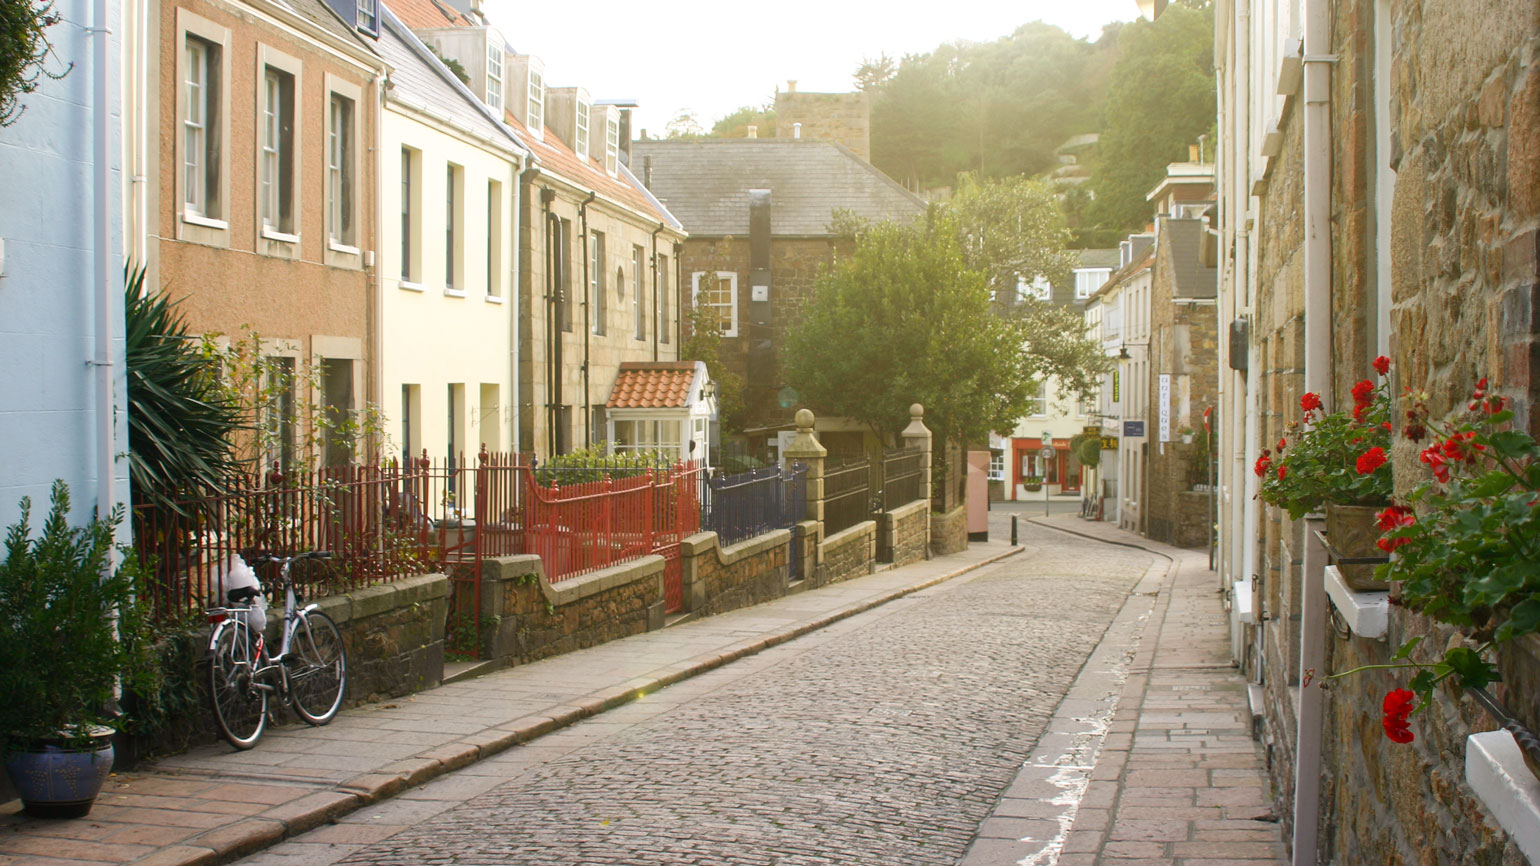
<point x="48" y="425"/>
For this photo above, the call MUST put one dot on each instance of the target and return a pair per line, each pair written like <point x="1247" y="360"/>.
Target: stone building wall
<point x="909" y="528"/>
<point x="849" y="553"/>
<point x="533" y="618"/>
<point x="845" y="118"/>
<point x="718" y="579"/>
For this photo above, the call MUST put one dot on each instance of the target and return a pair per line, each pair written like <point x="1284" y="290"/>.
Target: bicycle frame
<point x="263" y="665"/>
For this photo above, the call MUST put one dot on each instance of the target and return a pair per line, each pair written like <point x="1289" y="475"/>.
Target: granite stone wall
<point x="718" y="579"/>
<point x="531" y="618"/>
<point x="949" y="531"/>
<point x="849" y="553"/>
<point x="909" y="528"/>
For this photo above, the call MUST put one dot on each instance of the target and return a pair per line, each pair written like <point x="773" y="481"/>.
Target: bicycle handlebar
<point x="285" y="560"/>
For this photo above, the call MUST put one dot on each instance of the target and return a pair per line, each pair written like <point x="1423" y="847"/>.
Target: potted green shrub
<point x="1340" y="461"/>
<point x="60" y="655"/>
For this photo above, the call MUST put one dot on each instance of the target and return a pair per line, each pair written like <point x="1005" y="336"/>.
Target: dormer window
<point x="611" y="141"/>
<point x="580" y="144"/>
<point x="535" y="113"/>
<point x="494" y="76"/>
<point x="368" y="16"/>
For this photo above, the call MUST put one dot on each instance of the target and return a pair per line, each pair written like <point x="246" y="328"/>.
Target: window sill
<point x="1495" y="771"/>
<point x="336" y="247"/>
<point x="206" y="222"/>
<point x="273" y="234"/>
<point x="412" y="287"/>
<point x="453" y="293"/>
<point x="1366" y="613"/>
<point x="494" y="299"/>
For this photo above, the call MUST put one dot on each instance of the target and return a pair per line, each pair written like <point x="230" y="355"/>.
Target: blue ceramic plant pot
<point x="57" y="780"/>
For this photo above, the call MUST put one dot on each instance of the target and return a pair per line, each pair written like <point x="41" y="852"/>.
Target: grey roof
<point x="318" y="12"/>
<point x="706" y="183"/>
<point x="1189" y="278"/>
<point x="420" y="80"/>
<point x="1102" y="258"/>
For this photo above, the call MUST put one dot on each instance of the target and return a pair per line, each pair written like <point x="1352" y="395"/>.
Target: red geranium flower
<point x="1371" y="460"/>
<point x="1395" y="516"/>
<point x="1382" y="365"/>
<point x="1363" y="392"/>
<point x="1415" y="431"/>
<point x="1262" y="463"/>
<point x="1398" y="705"/>
<point x="1433" y="455"/>
<point x="1359" y="410"/>
<point x="1282" y="471"/>
<point x="1460" y="447"/>
<point x="1310" y="401"/>
<point x="1281" y="443"/>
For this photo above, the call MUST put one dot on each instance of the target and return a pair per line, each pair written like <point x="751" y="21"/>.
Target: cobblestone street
<point x="886" y="738"/>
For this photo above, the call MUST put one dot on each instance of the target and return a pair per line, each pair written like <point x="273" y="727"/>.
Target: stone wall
<point x="1194" y="519"/>
<point x="394" y="634"/>
<point x="949" y="531"/>
<point x="533" y="618"/>
<point x="909" y="528"/>
<point x="845" y="118"/>
<point x="848" y="553"/>
<point x="718" y="579"/>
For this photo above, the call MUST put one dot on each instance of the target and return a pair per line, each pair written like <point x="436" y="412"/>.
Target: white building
<point x="449" y="171"/>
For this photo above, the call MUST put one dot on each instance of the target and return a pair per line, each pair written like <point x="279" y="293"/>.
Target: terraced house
<point x="597" y="261"/>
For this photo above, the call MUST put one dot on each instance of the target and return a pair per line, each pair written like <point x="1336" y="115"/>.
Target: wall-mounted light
<point x="1123" y="353"/>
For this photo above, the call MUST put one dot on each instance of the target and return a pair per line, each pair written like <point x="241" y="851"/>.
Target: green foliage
<point x="62" y="602"/>
<point x="996" y="108"/>
<point x="703" y="342"/>
<point x="1013" y="230"/>
<point x="181" y="423"/>
<point x="736" y="124"/>
<point x="902" y="320"/>
<point x="24" y="48"/>
<point x="1159" y="100"/>
<point x="1088" y="449"/>
<point x="452" y="65"/>
<point x="1322" y="464"/>
<point x="595" y="463"/>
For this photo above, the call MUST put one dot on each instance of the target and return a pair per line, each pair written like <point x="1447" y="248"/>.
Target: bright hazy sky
<point x="713" y="57"/>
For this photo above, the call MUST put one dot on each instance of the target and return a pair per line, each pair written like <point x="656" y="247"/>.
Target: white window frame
<point x="652" y="440"/>
<point x="342" y="249"/>
<point x="495" y="63"/>
<point x="1085" y="277"/>
<point x="204" y="212"/>
<point x="997" y="466"/>
<point x="612" y="142"/>
<point x="279" y="238"/>
<point x="1042" y="402"/>
<point x="580" y="144"/>
<point x="598" y="309"/>
<point x="454" y="230"/>
<point x="638" y="281"/>
<point x="660" y="268"/>
<point x="494" y="240"/>
<point x="534" y="112"/>
<point x="368" y="16"/>
<point x="731" y="306"/>
<point x="1039" y="289"/>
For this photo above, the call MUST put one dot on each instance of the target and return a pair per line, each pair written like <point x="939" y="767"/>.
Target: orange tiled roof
<point x="556" y="157"/>
<point x="652" y="385"/>
<point x="426" y="14"/>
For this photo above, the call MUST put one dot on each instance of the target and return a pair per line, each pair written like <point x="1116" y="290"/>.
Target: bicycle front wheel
<point x="240" y="708"/>
<point x="317" y="669"/>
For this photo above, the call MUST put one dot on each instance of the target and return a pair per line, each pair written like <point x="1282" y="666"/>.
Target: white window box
<point x="1495" y="770"/>
<point x="412" y="287"/>
<point x="1366" y="613"/>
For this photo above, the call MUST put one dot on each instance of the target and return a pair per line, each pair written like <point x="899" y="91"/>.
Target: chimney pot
<point x="796" y="130"/>
<point x="1192" y="153"/>
<point x="791" y="85"/>
<point x="753" y="131"/>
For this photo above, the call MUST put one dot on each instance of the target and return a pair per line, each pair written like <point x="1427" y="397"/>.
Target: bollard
<point x="1014" y="518"/>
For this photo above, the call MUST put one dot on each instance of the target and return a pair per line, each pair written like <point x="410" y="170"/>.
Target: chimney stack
<point x="791" y="85"/>
<point x="753" y="131"/>
<point x="1192" y="153"/>
<point x="796" y="130"/>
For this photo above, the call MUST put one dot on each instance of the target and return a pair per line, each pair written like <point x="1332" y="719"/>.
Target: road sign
<point x="1047" y="453"/>
<point x="1133" y="428"/>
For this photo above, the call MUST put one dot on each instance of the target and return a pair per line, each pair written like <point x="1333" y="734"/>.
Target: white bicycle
<point x="309" y="671"/>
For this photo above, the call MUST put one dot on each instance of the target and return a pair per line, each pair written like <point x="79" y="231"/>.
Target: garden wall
<point x="909" y="528"/>
<point x="718" y="579"/>
<point x="848" y="553"/>
<point x="525" y="617"/>
<point x="949" y="531"/>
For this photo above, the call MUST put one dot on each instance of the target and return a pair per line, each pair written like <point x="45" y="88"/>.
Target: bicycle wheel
<point x="317" y="669"/>
<point x="240" y="709"/>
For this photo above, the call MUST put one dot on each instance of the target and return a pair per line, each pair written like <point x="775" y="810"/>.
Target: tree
<point x="905" y="319"/>
<point x="1159" y="100"/>
<point x="684" y="125"/>
<point x="736" y="124"/>
<point x="1012" y="230"/>
<point x="704" y="343"/>
<point x="24" y="48"/>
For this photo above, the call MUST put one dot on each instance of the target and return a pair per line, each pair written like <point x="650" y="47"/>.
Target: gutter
<point x="588" y="315"/>
<point x="656" y="325"/>
<point x="103" y="365"/>
<point x="1318" y="261"/>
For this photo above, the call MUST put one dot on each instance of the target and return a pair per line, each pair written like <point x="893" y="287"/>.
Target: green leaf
<point x="1491" y="484"/>
<point x="1474" y="671"/>
<point x="1523" y="619"/>
<point x="1405" y="652"/>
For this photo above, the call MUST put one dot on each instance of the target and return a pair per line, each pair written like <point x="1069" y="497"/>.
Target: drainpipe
<point x="679" y="282"/>
<point x="553" y="338"/>
<point x="1318" y="253"/>
<point x="375" y="285"/>
<point x="588" y="326"/>
<point x="516" y="300"/>
<point x="106" y="303"/>
<point x="1245" y="515"/>
<point x="656" y="325"/>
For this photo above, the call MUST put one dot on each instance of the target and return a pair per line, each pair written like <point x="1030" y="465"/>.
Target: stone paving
<point x="1149" y="760"/>
<point x="884" y="739"/>
<point x="212" y="805"/>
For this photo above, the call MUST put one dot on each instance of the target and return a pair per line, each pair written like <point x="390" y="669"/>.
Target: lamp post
<point x="1047" y="455"/>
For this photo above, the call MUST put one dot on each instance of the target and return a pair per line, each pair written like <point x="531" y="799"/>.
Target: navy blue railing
<point x="752" y="503"/>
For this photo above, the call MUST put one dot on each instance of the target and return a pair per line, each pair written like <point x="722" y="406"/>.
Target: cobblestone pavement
<point x="886" y="738"/>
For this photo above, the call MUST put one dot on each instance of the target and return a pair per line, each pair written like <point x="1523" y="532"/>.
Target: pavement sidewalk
<point x="1149" y="758"/>
<point x="213" y="805"/>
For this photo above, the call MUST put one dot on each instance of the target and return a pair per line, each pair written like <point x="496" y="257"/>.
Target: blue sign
<point x="1133" y="428"/>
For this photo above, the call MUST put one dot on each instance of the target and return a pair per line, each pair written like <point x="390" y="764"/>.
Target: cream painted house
<point x="449" y="173"/>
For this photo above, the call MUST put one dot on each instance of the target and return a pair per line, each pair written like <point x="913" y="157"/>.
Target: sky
<point x="713" y="57"/>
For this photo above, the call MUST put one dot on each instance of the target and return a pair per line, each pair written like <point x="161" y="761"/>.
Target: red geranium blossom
<point x="1460" y="447"/>
<point x="1310" y="401"/>
<point x="1371" y="460"/>
<point x="1382" y="365"/>
<point x="1282" y="471"/>
<point x="1433" y="455"/>
<point x="1363" y="393"/>
<point x="1262" y="463"/>
<point x="1395" y="516"/>
<point x="1281" y="443"/>
<point x="1398" y="705"/>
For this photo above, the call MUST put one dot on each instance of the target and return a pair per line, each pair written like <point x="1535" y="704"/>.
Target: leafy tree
<point x="904" y="319"/>
<point x="736" y="124"/>
<point x="873" y="74"/>
<point x="1011" y="229"/>
<point x="181" y="423"/>
<point x="684" y="125"/>
<point x="704" y="343"/>
<point x="24" y="48"/>
<point x="1160" y="99"/>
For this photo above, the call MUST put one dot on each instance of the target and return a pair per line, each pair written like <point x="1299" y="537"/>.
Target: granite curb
<point x="253" y="833"/>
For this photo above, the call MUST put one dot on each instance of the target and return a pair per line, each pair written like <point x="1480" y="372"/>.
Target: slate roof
<point x="1189" y="278"/>
<point x="706" y="183"/>
<point x="1100" y="258"/>
<point x="652" y="385"/>
<point x="318" y="12"/>
<point x="553" y="155"/>
<point x="419" y="80"/>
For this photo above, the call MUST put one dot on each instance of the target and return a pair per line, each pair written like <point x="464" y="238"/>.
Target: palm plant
<point x="180" y="423"/>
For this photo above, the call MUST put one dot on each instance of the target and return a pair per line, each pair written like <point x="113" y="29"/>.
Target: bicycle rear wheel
<point x="240" y="708"/>
<point x="317" y="668"/>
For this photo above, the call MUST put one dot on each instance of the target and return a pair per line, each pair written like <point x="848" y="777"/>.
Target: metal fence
<point x="752" y="503"/>
<point x="903" y="477"/>
<point x="847" y="491"/>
